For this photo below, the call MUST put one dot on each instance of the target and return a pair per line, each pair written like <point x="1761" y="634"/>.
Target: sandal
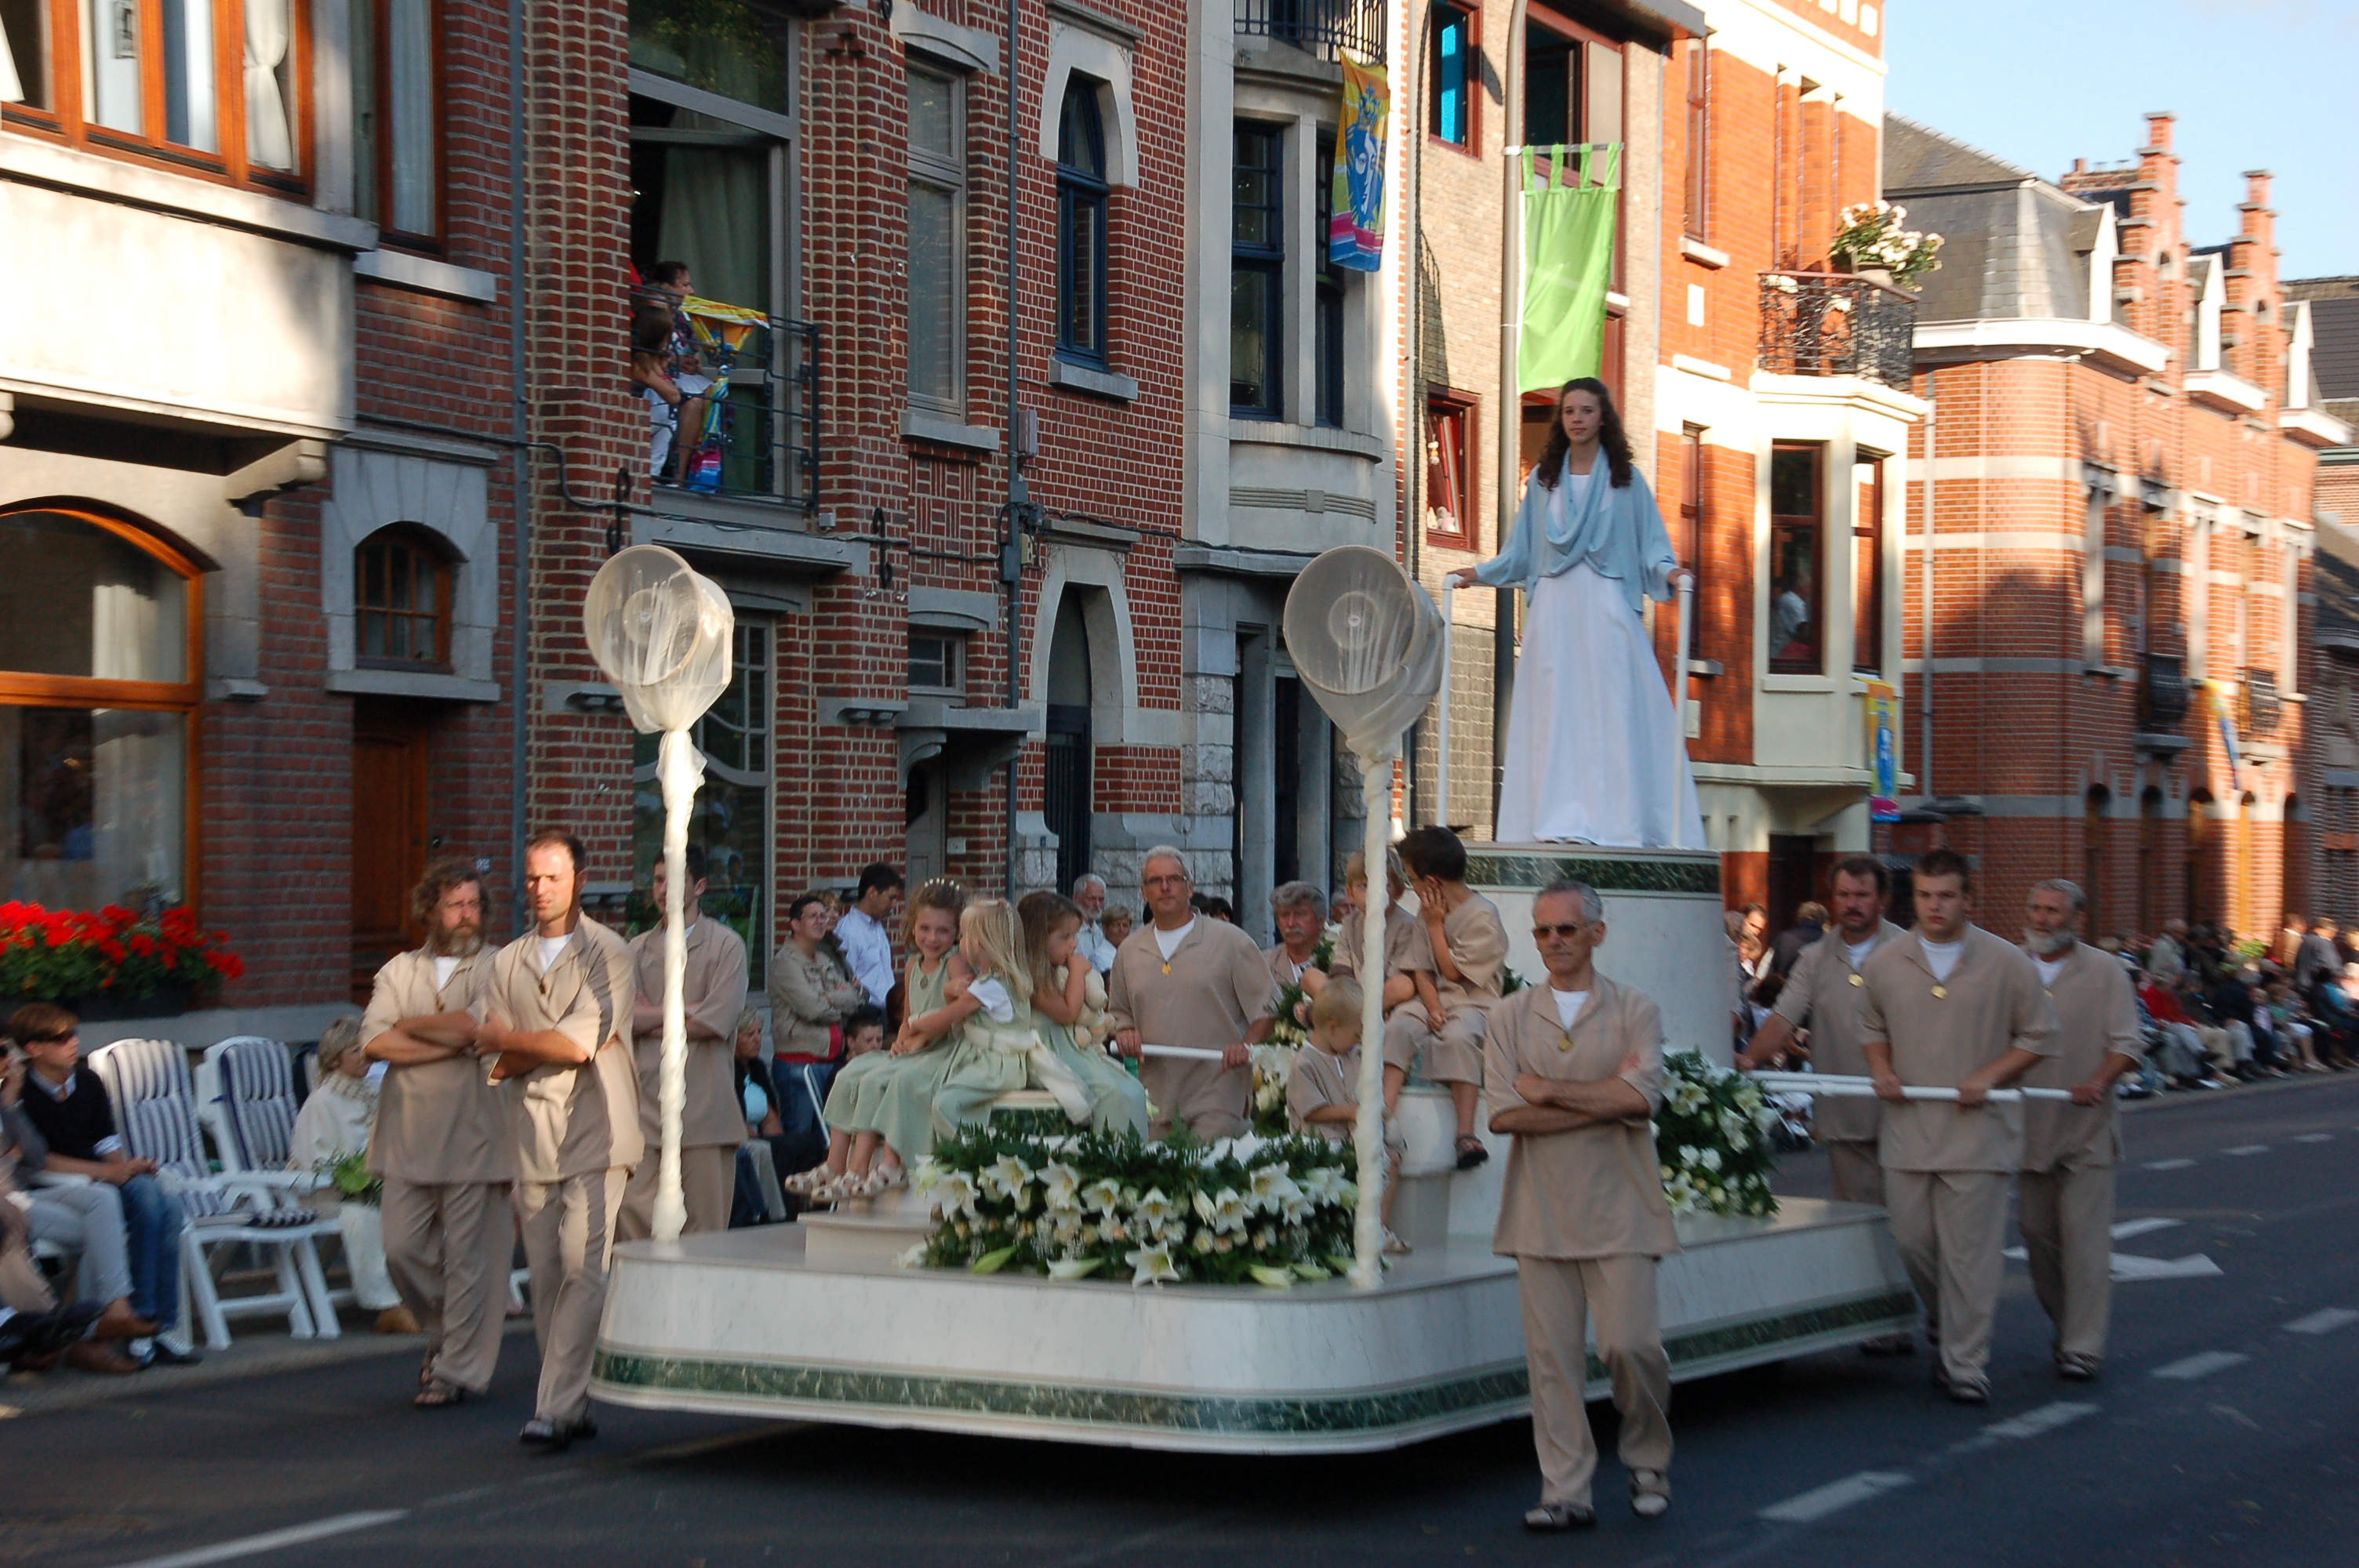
<point x="1471" y="1151"/>
<point x="1393" y="1246"/>
<point x="882" y="1180"/>
<point x="809" y="1183"/>
<point x="438" y="1395"/>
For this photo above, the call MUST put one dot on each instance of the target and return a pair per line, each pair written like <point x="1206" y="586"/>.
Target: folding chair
<point x="155" y="1114"/>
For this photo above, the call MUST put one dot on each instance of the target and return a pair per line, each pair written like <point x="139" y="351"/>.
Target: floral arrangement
<point x="56" y="954"/>
<point x="351" y="1178"/>
<point x="1291" y="1030"/>
<point x="1870" y="235"/>
<point x="1713" y="1136"/>
<point x="1269" y="1211"/>
<point x="1273" y="1065"/>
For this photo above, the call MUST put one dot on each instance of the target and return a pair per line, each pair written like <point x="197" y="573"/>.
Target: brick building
<point x="2122" y="527"/>
<point x="2322" y="387"/>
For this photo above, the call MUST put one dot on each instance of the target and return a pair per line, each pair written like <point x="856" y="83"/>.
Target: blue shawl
<point x="1618" y="531"/>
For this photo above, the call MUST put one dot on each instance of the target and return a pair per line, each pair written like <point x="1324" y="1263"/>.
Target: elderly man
<point x="1299" y="912"/>
<point x="868" y="944"/>
<point x="712" y="1121"/>
<point x="1573" y="1071"/>
<point x="442" y="1145"/>
<point x="1955" y="1007"/>
<point x="553" y="1019"/>
<point x="2064" y="1193"/>
<point x="1090" y="898"/>
<point x="1187" y="979"/>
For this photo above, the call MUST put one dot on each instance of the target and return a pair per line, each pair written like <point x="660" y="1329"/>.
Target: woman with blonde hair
<point x="335" y="1122"/>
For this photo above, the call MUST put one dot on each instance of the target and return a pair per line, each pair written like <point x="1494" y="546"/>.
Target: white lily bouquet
<point x="1273" y="1065"/>
<point x="1712" y="1137"/>
<point x="1250" y="1210"/>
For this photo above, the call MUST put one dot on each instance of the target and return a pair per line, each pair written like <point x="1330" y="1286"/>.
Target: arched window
<point x="100" y="677"/>
<point x="1081" y="224"/>
<point x="401" y="600"/>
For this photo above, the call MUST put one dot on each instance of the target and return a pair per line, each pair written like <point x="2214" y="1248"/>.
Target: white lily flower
<point x="1711" y="1159"/>
<point x="1151" y="1265"/>
<point x="1225" y="1211"/>
<point x="1202" y="1241"/>
<point x="1155" y="1210"/>
<point x="954" y="1193"/>
<point x="929" y="1172"/>
<point x="1101" y="1197"/>
<point x="1060" y="1186"/>
<point x="1273" y="1188"/>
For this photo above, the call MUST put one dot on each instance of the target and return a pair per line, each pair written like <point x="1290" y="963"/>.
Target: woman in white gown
<point x="1592" y="750"/>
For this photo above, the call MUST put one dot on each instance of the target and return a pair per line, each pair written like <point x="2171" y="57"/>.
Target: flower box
<point x="111" y="963"/>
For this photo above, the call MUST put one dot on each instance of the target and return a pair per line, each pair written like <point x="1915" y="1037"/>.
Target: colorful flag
<point x="1568" y="261"/>
<point x="1884" y="750"/>
<point x="1355" y="232"/>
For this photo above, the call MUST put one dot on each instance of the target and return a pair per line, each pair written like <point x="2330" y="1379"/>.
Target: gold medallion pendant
<point x="1167" y="967"/>
<point x="1855" y="979"/>
<point x="1941" y="991"/>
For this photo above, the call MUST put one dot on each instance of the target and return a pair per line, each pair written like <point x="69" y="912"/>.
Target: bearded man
<point x="442" y="1145"/>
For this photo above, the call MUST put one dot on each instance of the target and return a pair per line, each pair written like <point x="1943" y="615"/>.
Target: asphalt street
<point x="2223" y="1431"/>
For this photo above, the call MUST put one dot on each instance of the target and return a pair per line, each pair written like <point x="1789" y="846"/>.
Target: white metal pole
<point x="1441" y="714"/>
<point x="680" y="772"/>
<point x="1679" y="679"/>
<point x="1368" y="1132"/>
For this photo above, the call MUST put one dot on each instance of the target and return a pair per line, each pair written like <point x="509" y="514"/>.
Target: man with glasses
<point x="1187" y="979"/>
<point x="1573" y="1071"/>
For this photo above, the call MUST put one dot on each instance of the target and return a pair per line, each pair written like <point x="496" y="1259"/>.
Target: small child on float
<point x="880" y="1111"/>
<point x="1408" y="966"/>
<point x="993" y="1051"/>
<point x="1069" y="1015"/>
<point x="1322" y="1091"/>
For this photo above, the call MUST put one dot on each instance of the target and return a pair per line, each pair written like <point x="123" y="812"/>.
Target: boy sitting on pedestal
<point x="1323" y="1092"/>
<point x="1470" y="959"/>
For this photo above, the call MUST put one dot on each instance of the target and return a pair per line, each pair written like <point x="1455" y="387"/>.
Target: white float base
<point x="746" y="1323"/>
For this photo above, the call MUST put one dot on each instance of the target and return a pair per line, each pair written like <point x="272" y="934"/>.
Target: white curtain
<point x="410" y="117"/>
<point x="269" y="29"/>
<point x="12" y="89"/>
<point x="138" y="767"/>
<point x="137" y="633"/>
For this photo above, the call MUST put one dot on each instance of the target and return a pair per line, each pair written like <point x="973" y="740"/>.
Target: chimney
<point x="2158" y="131"/>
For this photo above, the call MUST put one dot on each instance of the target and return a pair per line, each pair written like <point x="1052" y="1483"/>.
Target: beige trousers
<point x="1454" y="1054"/>
<point x="2067" y="1218"/>
<point x="708" y="1180"/>
<point x="569" y="1228"/>
<point x="1559" y="1296"/>
<point x="1858" y="1173"/>
<point x="447" y="1248"/>
<point x="1950" y="1227"/>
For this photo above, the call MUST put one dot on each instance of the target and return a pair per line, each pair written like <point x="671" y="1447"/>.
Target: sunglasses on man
<point x="1568" y="931"/>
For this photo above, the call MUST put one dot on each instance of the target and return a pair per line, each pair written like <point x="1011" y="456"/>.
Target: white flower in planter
<point x="929" y="1172"/>
<point x="1156" y="1211"/>
<point x="1060" y="1186"/>
<point x="1151" y="1265"/>
<point x="1225" y="1211"/>
<point x="1102" y="1196"/>
<point x="1273" y="1188"/>
<point x="953" y="1192"/>
<point x="1202" y="1241"/>
<point x="1011" y="1178"/>
<point x="1326" y="1183"/>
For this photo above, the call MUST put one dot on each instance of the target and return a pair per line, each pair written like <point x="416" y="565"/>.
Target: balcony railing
<point x="2162" y="694"/>
<point x="2263" y="706"/>
<point x="769" y="424"/>
<point x="1324" y="27"/>
<point x="1835" y="323"/>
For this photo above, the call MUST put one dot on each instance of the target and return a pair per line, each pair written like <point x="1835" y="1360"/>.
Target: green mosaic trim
<point x="1605" y="874"/>
<point x="1501" y="1390"/>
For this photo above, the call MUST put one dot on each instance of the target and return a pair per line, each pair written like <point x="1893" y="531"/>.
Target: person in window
<point x="665" y="366"/>
<point x="1790" y="617"/>
<point x="1594" y="753"/>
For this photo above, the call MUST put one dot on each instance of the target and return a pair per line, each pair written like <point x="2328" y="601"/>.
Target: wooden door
<point x="389" y="838"/>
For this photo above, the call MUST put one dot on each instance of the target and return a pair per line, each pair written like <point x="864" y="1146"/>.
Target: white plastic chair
<point x="246" y="1092"/>
<point x="155" y="1115"/>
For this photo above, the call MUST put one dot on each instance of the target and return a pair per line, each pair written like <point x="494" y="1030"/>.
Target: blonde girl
<point x="856" y="1112"/>
<point x="1068" y="1016"/>
<point x="994" y="1053"/>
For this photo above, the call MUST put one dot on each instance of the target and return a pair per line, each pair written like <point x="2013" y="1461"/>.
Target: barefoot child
<point x="1323" y="1092"/>
<point x="1470" y="960"/>
<point x="855" y="1105"/>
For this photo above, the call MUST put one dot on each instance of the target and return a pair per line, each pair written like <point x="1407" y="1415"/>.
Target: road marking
<point x="2325" y="1321"/>
<point x="2200" y="1366"/>
<point x="2130" y="1266"/>
<point x="2168" y="1164"/>
<point x="2313" y="1138"/>
<point x="2045" y="1419"/>
<point x="1835" y="1496"/>
<point x="254" y="1545"/>
<point x="2243" y="1149"/>
<point x="2130" y="1228"/>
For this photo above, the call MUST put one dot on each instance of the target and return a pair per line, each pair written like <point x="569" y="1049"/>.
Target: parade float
<point x="1229" y="1297"/>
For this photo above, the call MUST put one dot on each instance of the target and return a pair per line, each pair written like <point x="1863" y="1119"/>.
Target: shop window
<point x="1450" y="522"/>
<point x="1082" y="193"/>
<point x="397" y="115"/>
<point x="1257" y="272"/>
<point x="731" y="816"/>
<point x="99" y="679"/>
<point x="401" y="601"/>
<point x="1796" y="540"/>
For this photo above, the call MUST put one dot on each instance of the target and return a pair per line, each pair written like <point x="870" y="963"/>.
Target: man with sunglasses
<point x="1573" y="1071"/>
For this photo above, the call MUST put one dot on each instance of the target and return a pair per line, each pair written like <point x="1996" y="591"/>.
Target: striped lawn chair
<point x="155" y="1115"/>
<point x="246" y="1090"/>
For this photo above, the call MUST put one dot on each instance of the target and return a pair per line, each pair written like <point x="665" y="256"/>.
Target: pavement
<point x="2222" y="1432"/>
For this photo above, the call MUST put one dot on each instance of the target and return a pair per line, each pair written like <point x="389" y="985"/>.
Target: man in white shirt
<point x="868" y="944"/>
<point x="1089" y="897"/>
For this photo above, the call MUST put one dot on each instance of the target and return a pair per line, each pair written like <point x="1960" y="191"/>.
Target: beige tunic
<point x="1212" y="991"/>
<point x="1408" y="949"/>
<point x="1942" y="1031"/>
<point x="572" y="1122"/>
<point x="1594" y="1191"/>
<point x="1827" y="995"/>
<point x="2096" y="1017"/>
<point x="1478" y="946"/>
<point x="807" y="995"/>
<point x="713" y="992"/>
<point x="1282" y="965"/>
<point x="437" y="1121"/>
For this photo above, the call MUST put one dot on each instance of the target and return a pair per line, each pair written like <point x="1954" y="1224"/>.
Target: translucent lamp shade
<point x="661" y="633"/>
<point x="1368" y="643"/>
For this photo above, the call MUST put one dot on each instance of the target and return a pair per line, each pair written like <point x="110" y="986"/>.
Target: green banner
<point x="1569" y="194"/>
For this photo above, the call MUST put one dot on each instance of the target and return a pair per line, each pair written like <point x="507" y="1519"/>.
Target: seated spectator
<point x="812" y="991"/>
<point x="2293" y="1027"/>
<point x="35" y="1330"/>
<point x="757" y="1093"/>
<point x="334" y="1122"/>
<point x="67" y="1106"/>
<point x="2183" y="1054"/>
<point x="2230" y="1003"/>
<point x="666" y="368"/>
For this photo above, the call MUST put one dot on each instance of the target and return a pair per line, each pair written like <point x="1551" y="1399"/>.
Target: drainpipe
<point x="1011" y="550"/>
<point x="1925" y="682"/>
<point x="519" y="469"/>
<point x="1511" y="401"/>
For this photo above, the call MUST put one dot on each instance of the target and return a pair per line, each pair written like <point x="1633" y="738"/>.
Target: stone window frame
<point x="447" y="499"/>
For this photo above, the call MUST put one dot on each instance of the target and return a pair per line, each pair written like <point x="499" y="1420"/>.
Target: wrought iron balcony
<point x="2162" y="694"/>
<point x="1324" y="27"/>
<point x="2263" y="706"/>
<point x="1837" y="323"/>
<point x="767" y="427"/>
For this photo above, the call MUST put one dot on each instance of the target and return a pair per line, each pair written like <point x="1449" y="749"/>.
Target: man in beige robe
<point x="554" y="1018"/>
<point x="1953" y="1006"/>
<point x="1573" y="1071"/>
<point x="1187" y="979"/>
<point x="711" y="1122"/>
<point x="2064" y="1195"/>
<point x="1299" y="912"/>
<point x="442" y="1145"/>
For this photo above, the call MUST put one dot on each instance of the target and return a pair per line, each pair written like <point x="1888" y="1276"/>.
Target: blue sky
<point x="2255" y="84"/>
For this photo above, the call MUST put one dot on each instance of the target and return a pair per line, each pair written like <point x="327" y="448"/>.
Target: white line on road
<point x="1835" y="1496"/>
<point x="2130" y="1228"/>
<point x="2194" y="1266"/>
<point x="2241" y="1148"/>
<point x="2168" y="1164"/>
<point x="2046" y="1418"/>
<point x="2200" y="1366"/>
<point x="271" y="1541"/>
<point x="2325" y="1321"/>
<point x="2313" y="1138"/>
